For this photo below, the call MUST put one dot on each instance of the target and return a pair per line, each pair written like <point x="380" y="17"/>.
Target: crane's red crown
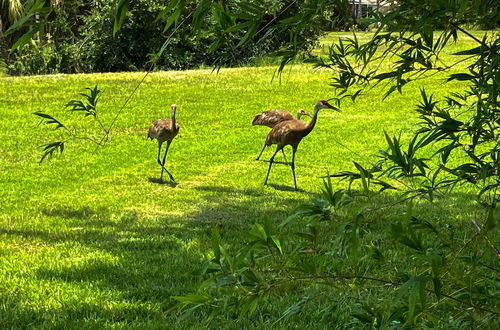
<point x="173" y="106"/>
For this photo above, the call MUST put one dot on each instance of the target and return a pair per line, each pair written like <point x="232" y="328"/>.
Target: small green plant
<point x="88" y="107"/>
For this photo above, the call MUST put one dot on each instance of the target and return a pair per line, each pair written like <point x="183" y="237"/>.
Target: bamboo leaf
<point x="49" y="119"/>
<point x="50" y="148"/>
<point x="24" y="39"/>
<point x="17" y="25"/>
<point x="277" y="243"/>
<point x="120" y="14"/>
<point x="460" y="77"/>
<point x="167" y="9"/>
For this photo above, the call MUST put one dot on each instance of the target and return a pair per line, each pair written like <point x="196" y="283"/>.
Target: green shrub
<point x="358" y="264"/>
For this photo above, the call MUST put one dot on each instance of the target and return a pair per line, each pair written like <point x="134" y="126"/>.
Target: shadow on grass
<point x="135" y="261"/>
<point x="281" y="187"/>
<point x="279" y="162"/>
<point x="77" y="314"/>
<point x="135" y="265"/>
<point x="68" y="212"/>
<point x="230" y="190"/>
<point x="167" y="183"/>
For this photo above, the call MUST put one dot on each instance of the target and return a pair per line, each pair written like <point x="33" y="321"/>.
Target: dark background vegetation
<point x="78" y="37"/>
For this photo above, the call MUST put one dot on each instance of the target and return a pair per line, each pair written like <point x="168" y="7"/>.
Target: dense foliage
<point x="365" y="268"/>
<point x="76" y="36"/>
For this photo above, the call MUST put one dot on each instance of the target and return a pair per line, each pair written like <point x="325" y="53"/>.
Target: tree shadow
<point x="148" y="261"/>
<point x="230" y="190"/>
<point x="68" y="212"/>
<point x="78" y="314"/>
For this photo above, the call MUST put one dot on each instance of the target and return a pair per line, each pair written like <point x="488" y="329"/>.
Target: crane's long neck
<point x="312" y="123"/>
<point x="173" y="120"/>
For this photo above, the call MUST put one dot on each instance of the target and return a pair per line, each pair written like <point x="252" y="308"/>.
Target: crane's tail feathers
<point x="257" y="120"/>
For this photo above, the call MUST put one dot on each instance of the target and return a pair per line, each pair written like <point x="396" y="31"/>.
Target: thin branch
<point x="480" y="230"/>
<point x="105" y="136"/>
<point x="152" y="66"/>
<point x="100" y="123"/>
<point x="274" y="18"/>
<point x="467" y="33"/>
<point x="385" y="281"/>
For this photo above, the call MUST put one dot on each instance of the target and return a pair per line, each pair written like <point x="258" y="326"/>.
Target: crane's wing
<point x="271" y="117"/>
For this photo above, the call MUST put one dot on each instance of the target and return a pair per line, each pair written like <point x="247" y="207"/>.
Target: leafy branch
<point x="245" y="279"/>
<point x="88" y="107"/>
<point x="50" y="148"/>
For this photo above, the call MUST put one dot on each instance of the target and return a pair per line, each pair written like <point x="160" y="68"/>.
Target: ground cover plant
<point x="92" y="240"/>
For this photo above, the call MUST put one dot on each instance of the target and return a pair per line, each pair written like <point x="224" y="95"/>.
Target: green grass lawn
<point x="91" y="240"/>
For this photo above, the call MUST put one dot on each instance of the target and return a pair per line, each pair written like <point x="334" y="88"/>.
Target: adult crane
<point x="164" y="130"/>
<point x="291" y="132"/>
<point x="272" y="117"/>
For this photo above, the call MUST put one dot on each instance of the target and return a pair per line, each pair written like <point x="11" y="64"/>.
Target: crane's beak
<point x="332" y="107"/>
<point x="308" y="115"/>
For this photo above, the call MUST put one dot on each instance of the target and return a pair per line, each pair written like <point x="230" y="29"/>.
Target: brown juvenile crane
<point x="291" y="132"/>
<point x="272" y="117"/>
<point x="164" y="130"/>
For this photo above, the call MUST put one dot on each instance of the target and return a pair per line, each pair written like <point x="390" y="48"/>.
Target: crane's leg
<point x="284" y="156"/>
<point x="159" y="151"/>
<point x="264" y="147"/>
<point x="293" y="167"/>
<point x="271" y="164"/>
<point x="163" y="164"/>
<point x="159" y="161"/>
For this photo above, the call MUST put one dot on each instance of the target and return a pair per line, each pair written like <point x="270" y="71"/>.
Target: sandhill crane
<point x="291" y="132"/>
<point x="164" y="130"/>
<point x="272" y="117"/>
